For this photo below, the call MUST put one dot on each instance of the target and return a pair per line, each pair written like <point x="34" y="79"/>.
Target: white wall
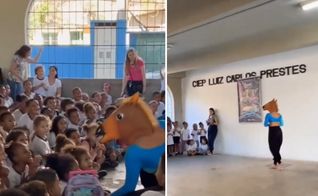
<point x="297" y="100"/>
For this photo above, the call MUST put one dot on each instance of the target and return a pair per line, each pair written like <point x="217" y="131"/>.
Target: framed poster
<point x="249" y="100"/>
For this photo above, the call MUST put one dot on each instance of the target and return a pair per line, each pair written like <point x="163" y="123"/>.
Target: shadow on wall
<point x="91" y="85"/>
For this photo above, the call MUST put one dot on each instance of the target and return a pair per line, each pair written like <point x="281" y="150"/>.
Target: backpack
<point x="84" y="185"/>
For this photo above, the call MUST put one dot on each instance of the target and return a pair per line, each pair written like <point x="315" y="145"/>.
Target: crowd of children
<point x="181" y="139"/>
<point x="43" y="139"/>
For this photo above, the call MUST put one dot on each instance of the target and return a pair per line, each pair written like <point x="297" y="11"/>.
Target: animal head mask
<point x="271" y="106"/>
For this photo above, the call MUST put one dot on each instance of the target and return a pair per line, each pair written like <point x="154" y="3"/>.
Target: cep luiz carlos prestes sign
<point x="267" y="73"/>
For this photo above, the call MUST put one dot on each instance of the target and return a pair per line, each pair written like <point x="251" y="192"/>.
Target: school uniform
<point x="204" y="149"/>
<point x="3" y="133"/>
<point x="176" y="135"/>
<point x="184" y="139"/>
<point x="55" y="113"/>
<point x="40" y="91"/>
<point x="170" y="138"/>
<point x="8" y="102"/>
<point x="82" y="118"/>
<point x="15" y="178"/>
<point x="195" y="136"/>
<point x="26" y="121"/>
<point x="203" y="134"/>
<point x="76" y="127"/>
<point x="31" y="96"/>
<point x="17" y="114"/>
<point x="40" y="146"/>
<point x="192" y="147"/>
<point x="161" y="108"/>
<point x="52" y="140"/>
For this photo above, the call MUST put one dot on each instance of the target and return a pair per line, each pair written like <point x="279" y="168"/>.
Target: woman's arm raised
<point x="36" y="59"/>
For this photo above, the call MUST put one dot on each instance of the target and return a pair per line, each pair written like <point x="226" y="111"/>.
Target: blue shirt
<point x="137" y="159"/>
<point x="270" y="119"/>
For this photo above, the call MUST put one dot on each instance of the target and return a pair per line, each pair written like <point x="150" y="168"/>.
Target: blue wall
<point x="71" y="61"/>
<point x="78" y="61"/>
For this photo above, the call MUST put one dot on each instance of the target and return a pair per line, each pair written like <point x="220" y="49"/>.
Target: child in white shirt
<point x="192" y="148"/>
<point x="195" y="134"/>
<point x="202" y="131"/>
<point x="89" y="112"/>
<point x="176" y="137"/>
<point x="40" y="83"/>
<point x="27" y="86"/>
<point x="26" y="120"/>
<point x="8" y="100"/>
<point x="107" y="88"/>
<point x="22" y="163"/>
<point x="204" y="149"/>
<point x="154" y="106"/>
<point x="170" y="142"/>
<point x="7" y="123"/>
<point x="39" y="143"/>
<point x="65" y="105"/>
<point x="21" y="101"/>
<point x="185" y="132"/>
<point x="73" y="115"/>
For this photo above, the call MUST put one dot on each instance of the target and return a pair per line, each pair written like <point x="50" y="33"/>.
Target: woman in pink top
<point x="134" y="74"/>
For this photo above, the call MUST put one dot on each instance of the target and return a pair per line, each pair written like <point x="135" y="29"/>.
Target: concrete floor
<point x="225" y="175"/>
<point x="116" y="178"/>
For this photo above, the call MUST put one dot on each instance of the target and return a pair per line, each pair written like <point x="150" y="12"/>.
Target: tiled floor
<point x="224" y="175"/>
<point x="116" y="179"/>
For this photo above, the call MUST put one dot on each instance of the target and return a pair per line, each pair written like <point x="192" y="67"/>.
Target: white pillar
<point x="121" y="6"/>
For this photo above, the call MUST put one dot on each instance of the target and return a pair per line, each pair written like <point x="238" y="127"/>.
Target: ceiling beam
<point x="184" y="13"/>
<point x="251" y="47"/>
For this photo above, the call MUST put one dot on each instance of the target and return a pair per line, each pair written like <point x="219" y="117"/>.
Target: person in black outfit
<point x="213" y="129"/>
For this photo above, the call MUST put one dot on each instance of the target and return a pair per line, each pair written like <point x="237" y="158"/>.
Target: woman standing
<point x="55" y="85"/>
<point x="18" y="69"/>
<point x="134" y="74"/>
<point x="213" y="129"/>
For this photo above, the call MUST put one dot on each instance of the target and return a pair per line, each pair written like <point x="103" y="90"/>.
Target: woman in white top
<point x="55" y="85"/>
<point x="19" y="67"/>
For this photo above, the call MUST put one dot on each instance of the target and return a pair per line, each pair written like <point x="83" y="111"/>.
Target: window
<point x="72" y="40"/>
<point x="76" y="37"/>
<point x="170" y="104"/>
<point x="50" y="38"/>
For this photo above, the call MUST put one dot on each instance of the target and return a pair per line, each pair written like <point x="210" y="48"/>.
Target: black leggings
<point x="212" y="133"/>
<point x="148" y="180"/>
<point x="275" y="140"/>
<point x="133" y="87"/>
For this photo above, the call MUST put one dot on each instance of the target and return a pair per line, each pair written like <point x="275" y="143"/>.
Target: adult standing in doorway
<point x="134" y="74"/>
<point x="213" y="129"/>
<point x="55" y="85"/>
<point x="18" y="72"/>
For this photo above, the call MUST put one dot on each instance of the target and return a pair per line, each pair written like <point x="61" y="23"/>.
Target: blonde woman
<point x="134" y="74"/>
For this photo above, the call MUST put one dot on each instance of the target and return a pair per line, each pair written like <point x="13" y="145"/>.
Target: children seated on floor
<point x="204" y="149"/>
<point x="192" y="148"/>
<point x="50" y="133"/>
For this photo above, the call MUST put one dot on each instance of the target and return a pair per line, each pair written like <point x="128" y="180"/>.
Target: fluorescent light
<point x="309" y="5"/>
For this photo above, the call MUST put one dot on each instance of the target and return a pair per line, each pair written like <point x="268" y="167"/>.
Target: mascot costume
<point x="274" y="120"/>
<point x="134" y="124"/>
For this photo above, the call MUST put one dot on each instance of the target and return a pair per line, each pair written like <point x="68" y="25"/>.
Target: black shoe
<point x="105" y="165"/>
<point x="102" y="174"/>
